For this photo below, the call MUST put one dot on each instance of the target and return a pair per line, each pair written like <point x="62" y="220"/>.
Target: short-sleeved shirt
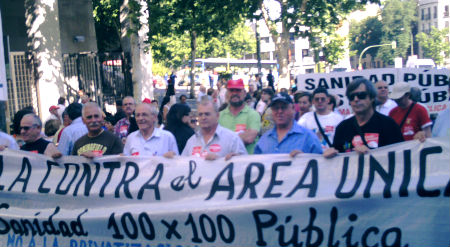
<point x="328" y="122"/>
<point x="37" y="147"/>
<point x="441" y="128"/>
<point x="246" y="119"/>
<point x="8" y="141"/>
<point x="379" y="131"/>
<point x="223" y="142"/>
<point x="159" y="143"/>
<point x="105" y="143"/>
<point x="121" y="128"/>
<point x="386" y="107"/>
<point x="417" y="120"/>
<point x="298" y="138"/>
<point x="70" y="135"/>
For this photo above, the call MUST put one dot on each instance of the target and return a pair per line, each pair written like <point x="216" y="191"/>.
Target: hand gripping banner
<point x="393" y="196"/>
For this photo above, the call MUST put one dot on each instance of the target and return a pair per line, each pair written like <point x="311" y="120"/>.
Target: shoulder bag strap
<point x="321" y="131"/>
<point x="358" y="129"/>
<point x="406" y="115"/>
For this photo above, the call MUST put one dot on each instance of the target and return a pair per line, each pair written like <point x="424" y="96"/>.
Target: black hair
<point x="74" y="110"/>
<point x="297" y="96"/>
<point x="18" y="117"/>
<point x="175" y="116"/>
<point x="320" y="90"/>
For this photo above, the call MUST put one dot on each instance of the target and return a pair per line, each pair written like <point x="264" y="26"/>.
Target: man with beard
<point x="96" y="142"/>
<point x="240" y="118"/>
<point x="121" y="127"/>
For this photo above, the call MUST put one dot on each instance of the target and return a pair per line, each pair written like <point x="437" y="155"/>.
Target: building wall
<point x="434" y="13"/>
<point x="13" y="22"/>
<point x="76" y="20"/>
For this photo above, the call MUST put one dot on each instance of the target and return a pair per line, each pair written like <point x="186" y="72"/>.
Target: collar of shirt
<point x="156" y="134"/>
<point x="296" y="128"/>
<point x="78" y="120"/>
<point x="217" y="134"/>
<point x="244" y="110"/>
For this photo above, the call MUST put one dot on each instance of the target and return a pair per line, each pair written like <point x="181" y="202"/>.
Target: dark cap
<point x="281" y="97"/>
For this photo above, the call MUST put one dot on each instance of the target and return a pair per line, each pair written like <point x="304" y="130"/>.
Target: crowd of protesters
<point x="231" y="120"/>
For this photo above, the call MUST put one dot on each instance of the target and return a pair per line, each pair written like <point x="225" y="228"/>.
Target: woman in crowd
<point x="178" y="120"/>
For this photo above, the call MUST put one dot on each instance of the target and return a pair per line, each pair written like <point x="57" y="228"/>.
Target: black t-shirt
<point x="105" y="144"/>
<point x="38" y="146"/>
<point x="379" y="131"/>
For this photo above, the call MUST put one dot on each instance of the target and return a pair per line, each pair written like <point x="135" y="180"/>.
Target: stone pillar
<point x="134" y="44"/>
<point x="44" y="41"/>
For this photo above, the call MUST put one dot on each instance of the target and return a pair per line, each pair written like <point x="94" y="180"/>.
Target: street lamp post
<point x="393" y="44"/>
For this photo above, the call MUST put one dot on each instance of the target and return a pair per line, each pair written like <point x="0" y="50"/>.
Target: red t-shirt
<point x="417" y="120"/>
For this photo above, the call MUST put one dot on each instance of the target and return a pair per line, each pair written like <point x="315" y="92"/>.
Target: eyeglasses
<point x="320" y="99"/>
<point x="275" y="108"/>
<point x="360" y="95"/>
<point x="26" y="128"/>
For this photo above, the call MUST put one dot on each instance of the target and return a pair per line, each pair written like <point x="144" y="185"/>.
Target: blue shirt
<point x="298" y="138"/>
<point x="70" y="135"/>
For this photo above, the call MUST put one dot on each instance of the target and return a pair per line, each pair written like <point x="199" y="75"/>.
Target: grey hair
<point x="153" y="109"/>
<point x="206" y="101"/>
<point x="90" y="104"/>
<point x="370" y="88"/>
<point x="129" y="97"/>
<point x="36" y="120"/>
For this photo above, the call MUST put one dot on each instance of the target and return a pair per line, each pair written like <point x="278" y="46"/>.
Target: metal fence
<point x="104" y="77"/>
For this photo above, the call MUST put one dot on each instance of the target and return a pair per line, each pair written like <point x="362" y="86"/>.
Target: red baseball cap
<point x="53" y="107"/>
<point x="147" y="100"/>
<point x="237" y="84"/>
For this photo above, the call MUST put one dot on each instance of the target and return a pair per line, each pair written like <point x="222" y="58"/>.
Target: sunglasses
<point x="360" y="95"/>
<point x="26" y="128"/>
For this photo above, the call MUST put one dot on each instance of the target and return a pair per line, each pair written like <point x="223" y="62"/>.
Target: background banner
<point x="393" y="196"/>
<point x="432" y="82"/>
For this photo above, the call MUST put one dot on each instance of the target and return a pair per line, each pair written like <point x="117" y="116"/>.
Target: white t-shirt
<point x="328" y="122"/>
<point x="386" y="107"/>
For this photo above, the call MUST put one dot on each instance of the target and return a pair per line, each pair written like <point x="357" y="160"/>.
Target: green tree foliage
<point x="365" y="33"/>
<point x="434" y="45"/>
<point x="306" y="18"/>
<point x="398" y="18"/>
<point x="333" y="49"/>
<point x="174" y="51"/>
<point x="199" y="18"/>
<point x="107" y="24"/>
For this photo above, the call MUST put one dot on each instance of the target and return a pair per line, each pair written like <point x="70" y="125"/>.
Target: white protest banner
<point x="393" y="196"/>
<point x="432" y="82"/>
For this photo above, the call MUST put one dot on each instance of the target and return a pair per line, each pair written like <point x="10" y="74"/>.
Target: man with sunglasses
<point x="384" y="103"/>
<point x="287" y="136"/>
<point x="240" y="118"/>
<point x="30" y="130"/>
<point x="323" y="120"/>
<point x="367" y="129"/>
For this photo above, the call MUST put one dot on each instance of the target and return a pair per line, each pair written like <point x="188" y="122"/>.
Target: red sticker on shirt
<point x="123" y="129"/>
<point x="34" y="151"/>
<point x="135" y="154"/>
<point x="197" y="150"/>
<point x="240" y="127"/>
<point x="371" y="139"/>
<point x="215" y="148"/>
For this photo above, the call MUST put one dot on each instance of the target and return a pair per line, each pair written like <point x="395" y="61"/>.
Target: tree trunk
<point x="282" y="58"/>
<point x="191" y="71"/>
